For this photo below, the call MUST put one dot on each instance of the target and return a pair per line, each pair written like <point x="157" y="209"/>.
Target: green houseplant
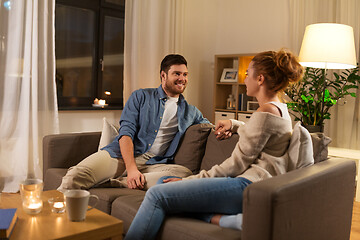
<point x="313" y="96"/>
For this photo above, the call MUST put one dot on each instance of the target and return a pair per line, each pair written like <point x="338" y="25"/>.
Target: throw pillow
<point x="320" y="146"/>
<point x="192" y="147"/>
<point x="108" y="134"/>
<point x="218" y="150"/>
<point x="300" y="148"/>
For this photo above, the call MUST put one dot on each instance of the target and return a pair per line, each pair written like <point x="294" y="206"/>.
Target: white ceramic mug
<point x="77" y="202"/>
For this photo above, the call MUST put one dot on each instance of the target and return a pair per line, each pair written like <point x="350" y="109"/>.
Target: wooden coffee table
<point x="49" y="225"/>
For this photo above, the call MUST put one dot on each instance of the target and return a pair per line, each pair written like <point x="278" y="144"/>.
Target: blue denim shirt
<point x="141" y="118"/>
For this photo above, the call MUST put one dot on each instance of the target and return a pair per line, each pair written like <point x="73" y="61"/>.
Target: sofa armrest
<point x="310" y="203"/>
<point x="66" y="150"/>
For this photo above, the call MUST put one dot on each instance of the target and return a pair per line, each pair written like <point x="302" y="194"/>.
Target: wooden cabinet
<point x="222" y="90"/>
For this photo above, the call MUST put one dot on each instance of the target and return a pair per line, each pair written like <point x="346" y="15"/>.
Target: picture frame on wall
<point x="229" y="75"/>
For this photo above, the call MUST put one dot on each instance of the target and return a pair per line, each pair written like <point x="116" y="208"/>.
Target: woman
<point x="259" y="154"/>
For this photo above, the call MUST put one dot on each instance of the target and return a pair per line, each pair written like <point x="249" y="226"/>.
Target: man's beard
<point x="173" y="87"/>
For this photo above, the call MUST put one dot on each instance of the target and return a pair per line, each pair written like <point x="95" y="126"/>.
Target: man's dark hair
<point x="172" y="59"/>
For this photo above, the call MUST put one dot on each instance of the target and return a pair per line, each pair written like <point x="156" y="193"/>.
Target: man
<point x="151" y="125"/>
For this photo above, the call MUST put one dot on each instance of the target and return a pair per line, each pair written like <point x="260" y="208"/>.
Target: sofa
<point x="313" y="202"/>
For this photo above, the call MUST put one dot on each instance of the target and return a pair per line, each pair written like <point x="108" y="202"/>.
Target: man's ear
<point x="162" y="75"/>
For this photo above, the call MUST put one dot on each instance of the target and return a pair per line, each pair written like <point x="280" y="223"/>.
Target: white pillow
<point x="108" y="134"/>
<point x="300" y="148"/>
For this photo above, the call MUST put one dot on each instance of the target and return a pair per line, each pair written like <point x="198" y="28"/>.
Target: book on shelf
<point x="243" y="99"/>
<point x="8" y="219"/>
<point x="240" y="101"/>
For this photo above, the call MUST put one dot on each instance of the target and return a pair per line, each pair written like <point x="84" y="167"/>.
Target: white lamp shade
<point x="328" y="45"/>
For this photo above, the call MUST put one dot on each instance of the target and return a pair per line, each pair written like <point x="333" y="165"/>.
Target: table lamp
<point x="328" y="46"/>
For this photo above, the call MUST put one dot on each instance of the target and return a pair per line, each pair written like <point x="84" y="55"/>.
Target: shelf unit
<point x="222" y="90"/>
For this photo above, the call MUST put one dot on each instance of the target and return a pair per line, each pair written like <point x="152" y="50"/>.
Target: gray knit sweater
<point x="261" y="151"/>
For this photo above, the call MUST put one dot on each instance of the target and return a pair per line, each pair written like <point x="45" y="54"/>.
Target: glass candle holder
<point x="31" y="190"/>
<point x="57" y="204"/>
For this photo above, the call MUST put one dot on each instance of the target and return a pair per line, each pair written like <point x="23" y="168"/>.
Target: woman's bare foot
<point x="216" y="219"/>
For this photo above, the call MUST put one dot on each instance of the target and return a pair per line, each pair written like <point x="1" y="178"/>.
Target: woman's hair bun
<point x="288" y="65"/>
<point x="279" y="68"/>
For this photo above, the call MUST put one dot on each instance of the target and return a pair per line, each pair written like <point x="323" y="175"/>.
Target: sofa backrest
<point x="66" y="150"/>
<point x="198" y="150"/>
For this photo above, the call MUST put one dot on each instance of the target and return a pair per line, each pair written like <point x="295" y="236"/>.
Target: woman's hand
<point x="222" y="129"/>
<point x="172" y="180"/>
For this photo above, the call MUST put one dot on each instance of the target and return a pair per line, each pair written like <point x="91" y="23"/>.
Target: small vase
<point x="314" y="128"/>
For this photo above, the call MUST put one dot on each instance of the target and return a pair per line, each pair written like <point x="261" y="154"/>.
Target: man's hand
<point x="222" y="129"/>
<point x="171" y="180"/>
<point x="135" y="179"/>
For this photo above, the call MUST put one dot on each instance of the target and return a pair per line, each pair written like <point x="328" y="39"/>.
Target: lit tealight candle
<point x="102" y="102"/>
<point x="58" y="205"/>
<point x="34" y="206"/>
<point x="30" y="191"/>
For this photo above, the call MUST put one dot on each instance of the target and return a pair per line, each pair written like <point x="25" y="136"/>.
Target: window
<point x="89" y="49"/>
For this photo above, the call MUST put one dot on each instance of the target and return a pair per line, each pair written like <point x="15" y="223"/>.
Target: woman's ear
<point x="261" y="79"/>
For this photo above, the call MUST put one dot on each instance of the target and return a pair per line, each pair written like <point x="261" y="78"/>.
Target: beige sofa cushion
<point x="320" y="146"/>
<point x="300" y="148"/>
<point x="108" y="133"/>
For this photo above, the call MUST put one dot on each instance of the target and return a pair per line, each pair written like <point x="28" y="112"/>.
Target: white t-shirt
<point x="283" y="109"/>
<point x="168" y="128"/>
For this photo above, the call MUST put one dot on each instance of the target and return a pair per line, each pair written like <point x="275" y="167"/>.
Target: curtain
<point x="153" y="29"/>
<point x="28" y="105"/>
<point x="344" y="125"/>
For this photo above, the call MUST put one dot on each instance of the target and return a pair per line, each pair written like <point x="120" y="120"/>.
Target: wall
<point x="86" y="121"/>
<point x="211" y="27"/>
<point x="228" y="27"/>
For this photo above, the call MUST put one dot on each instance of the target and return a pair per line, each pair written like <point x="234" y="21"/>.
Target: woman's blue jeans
<point x="205" y="195"/>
